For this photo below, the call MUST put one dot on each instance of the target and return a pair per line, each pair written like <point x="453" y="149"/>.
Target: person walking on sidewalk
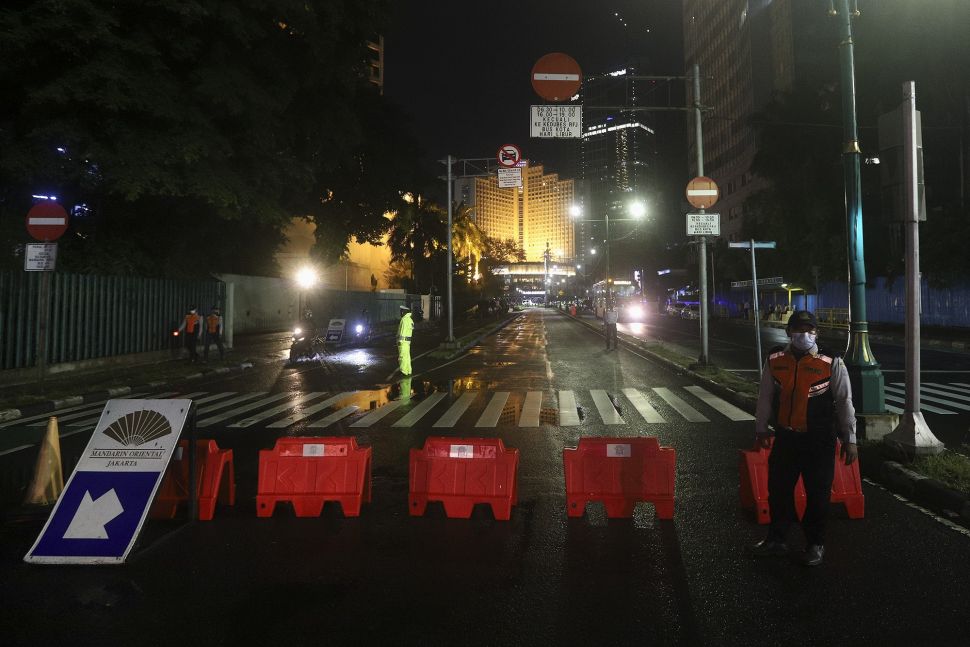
<point x="213" y="333"/>
<point x="404" y="332"/>
<point x="807" y="398"/>
<point x="189" y="329"/>
<point x="609" y="320"/>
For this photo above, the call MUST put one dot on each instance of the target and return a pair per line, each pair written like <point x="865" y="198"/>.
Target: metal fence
<point x="93" y="316"/>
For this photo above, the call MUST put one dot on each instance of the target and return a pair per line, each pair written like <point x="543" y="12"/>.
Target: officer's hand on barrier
<point x="849" y="453"/>
<point x="763" y="440"/>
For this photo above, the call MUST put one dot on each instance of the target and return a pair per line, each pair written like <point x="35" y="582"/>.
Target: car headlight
<point x="636" y="311"/>
<point x="297" y="331"/>
<point x="359" y="328"/>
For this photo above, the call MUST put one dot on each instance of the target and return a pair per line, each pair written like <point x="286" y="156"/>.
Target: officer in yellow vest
<point x="404" y="331"/>
<point x="806" y="397"/>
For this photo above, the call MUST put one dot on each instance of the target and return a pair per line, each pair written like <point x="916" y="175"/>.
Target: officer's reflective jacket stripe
<point x="803" y="399"/>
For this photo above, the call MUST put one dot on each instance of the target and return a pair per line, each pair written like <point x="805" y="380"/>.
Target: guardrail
<point x="832" y="317"/>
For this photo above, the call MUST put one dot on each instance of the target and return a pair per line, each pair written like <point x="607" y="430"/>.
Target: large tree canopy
<point x="181" y="119"/>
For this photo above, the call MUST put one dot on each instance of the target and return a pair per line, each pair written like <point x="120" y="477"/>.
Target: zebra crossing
<point x="948" y="399"/>
<point x="478" y="409"/>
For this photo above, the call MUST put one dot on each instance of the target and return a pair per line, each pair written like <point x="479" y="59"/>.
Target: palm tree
<point x="417" y="236"/>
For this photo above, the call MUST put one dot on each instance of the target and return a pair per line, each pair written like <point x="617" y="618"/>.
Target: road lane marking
<point x="721" y="406"/>
<point x="457" y="408"/>
<point x="94" y="420"/>
<point x="929" y="398"/>
<point x="493" y="411"/>
<point x="642" y="406"/>
<point x="568" y="416"/>
<point x="209" y="408"/>
<point x="531" y="409"/>
<point x="269" y="413"/>
<point x="378" y="413"/>
<point x="339" y="414"/>
<point x="306" y="412"/>
<point x="604" y="405"/>
<point x="418" y="412"/>
<point x="891" y="409"/>
<point x="924" y="407"/>
<point x="246" y="409"/>
<point x="688" y="412"/>
<point x="944" y="389"/>
<point x="16" y="449"/>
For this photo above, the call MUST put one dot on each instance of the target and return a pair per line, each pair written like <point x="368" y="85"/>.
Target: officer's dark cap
<point x="405" y="309"/>
<point x="801" y="318"/>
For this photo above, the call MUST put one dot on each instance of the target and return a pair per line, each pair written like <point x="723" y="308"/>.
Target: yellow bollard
<point x="48" y="481"/>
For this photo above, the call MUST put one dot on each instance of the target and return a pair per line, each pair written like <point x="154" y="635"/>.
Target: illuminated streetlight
<point x="306" y="277"/>
<point x="637" y="209"/>
<point x="575" y="211"/>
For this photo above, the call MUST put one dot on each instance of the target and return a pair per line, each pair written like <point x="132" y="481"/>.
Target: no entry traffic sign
<point x="46" y="221"/>
<point x="509" y="155"/>
<point x="556" y="77"/>
<point x="702" y="192"/>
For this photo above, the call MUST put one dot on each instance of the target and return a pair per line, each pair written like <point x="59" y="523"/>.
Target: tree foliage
<point x="191" y="120"/>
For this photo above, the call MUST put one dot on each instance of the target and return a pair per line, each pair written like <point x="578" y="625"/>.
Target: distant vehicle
<point x="692" y="311"/>
<point x="675" y="308"/>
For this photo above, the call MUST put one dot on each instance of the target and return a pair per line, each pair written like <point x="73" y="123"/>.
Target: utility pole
<point x="864" y="373"/>
<point x="702" y="256"/>
<point x="451" y="262"/>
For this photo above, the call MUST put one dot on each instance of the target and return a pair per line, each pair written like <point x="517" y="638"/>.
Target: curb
<point x="491" y="331"/>
<point x="922" y="490"/>
<point x="47" y="406"/>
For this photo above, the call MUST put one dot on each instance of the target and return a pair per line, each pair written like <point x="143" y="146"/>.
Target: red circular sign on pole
<point x="46" y="221"/>
<point x="509" y="155"/>
<point x="702" y="192"/>
<point x="556" y="77"/>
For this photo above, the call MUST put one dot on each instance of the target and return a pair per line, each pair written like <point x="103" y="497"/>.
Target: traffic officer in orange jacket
<point x="213" y="333"/>
<point x="806" y="397"/>
<point x="189" y="329"/>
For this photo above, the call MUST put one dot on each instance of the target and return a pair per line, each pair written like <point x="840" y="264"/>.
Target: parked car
<point x="675" y="308"/>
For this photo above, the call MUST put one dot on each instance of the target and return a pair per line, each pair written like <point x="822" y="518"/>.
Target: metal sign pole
<point x="757" y="315"/>
<point x="451" y="326"/>
<point x="699" y="136"/>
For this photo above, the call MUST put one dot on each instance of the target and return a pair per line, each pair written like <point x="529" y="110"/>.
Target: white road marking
<point x="721" y="406"/>
<point x="246" y="409"/>
<point x="306" y="412"/>
<point x="531" y="409"/>
<point x="929" y="398"/>
<point x="493" y="411"/>
<point x="568" y="416"/>
<point x="642" y="406"/>
<point x="418" y="412"/>
<point x="924" y="407"/>
<point x="339" y="414"/>
<point x="377" y="414"/>
<point x="457" y="408"/>
<point x="607" y="411"/>
<point x="690" y="413"/>
<point x="269" y="413"/>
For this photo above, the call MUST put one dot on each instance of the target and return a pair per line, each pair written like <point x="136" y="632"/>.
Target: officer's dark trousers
<point x="190" y="341"/>
<point x="610" y="335"/>
<point x="213" y="338"/>
<point x="812" y="456"/>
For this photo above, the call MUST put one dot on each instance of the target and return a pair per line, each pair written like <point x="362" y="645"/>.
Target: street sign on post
<point x="556" y="77"/>
<point x="556" y="122"/>
<point x="509" y="155"/>
<point x="702" y="192"/>
<point x="40" y="257"/>
<point x="509" y="178"/>
<point x="703" y="224"/>
<point x="101" y="511"/>
<point x="47" y="221"/>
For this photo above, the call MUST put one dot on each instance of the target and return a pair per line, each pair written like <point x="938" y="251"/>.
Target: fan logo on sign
<point x="134" y="430"/>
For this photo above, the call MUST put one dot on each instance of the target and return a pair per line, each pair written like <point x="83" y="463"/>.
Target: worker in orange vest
<point x="190" y="329"/>
<point x="213" y="333"/>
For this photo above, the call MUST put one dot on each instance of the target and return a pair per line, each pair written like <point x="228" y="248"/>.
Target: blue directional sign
<point x="104" y="504"/>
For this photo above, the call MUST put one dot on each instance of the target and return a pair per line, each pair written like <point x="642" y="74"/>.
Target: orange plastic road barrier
<point x="211" y="465"/>
<point x="308" y="472"/>
<point x="619" y="472"/>
<point x="753" y="469"/>
<point x="461" y="472"/>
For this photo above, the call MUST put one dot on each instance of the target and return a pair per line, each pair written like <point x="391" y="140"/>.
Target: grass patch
<point x="949" y="467"/>
<point x="725" y="378"/>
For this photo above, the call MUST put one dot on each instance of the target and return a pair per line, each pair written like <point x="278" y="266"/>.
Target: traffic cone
<point x="48" y="481"/>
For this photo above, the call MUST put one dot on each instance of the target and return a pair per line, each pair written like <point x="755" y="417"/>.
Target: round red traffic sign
<point x="556" y="77"/>
<point x="46" y="221"/>
<point x="509" y="155"/>
<point x="702" y="192"/>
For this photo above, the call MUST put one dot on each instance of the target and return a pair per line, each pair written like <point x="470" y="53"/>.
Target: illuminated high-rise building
<point x="534" y="216"/>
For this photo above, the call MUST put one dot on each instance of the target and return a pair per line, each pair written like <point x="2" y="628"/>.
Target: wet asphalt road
<point x="898" y="577"/>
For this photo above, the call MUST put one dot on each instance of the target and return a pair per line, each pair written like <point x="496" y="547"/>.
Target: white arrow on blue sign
<point x="101" y="510"/>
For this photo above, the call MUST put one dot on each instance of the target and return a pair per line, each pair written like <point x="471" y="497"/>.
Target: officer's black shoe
<point x="769" y="548"/>
<point x="813" y="555"/>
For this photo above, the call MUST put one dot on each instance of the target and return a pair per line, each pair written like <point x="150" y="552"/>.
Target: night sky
<point x="462" y="69"/>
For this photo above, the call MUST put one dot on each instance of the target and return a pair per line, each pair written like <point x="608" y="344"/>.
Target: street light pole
<point x="699" y="137"/>
<point x="609" y="295"/>
<point x="864" y="374"/>
<point x="451" y="262"/>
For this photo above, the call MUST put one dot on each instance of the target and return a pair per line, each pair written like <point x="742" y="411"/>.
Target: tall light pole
<point x="699" y="137"/>
<point x="864" y="372"/>
<point x="636" y="209"/>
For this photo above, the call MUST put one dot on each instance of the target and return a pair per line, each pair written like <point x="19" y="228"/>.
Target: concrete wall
<point x="260" y="303"/>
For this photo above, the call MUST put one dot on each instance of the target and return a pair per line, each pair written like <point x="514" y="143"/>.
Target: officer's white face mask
<point x="803" y="341"/>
